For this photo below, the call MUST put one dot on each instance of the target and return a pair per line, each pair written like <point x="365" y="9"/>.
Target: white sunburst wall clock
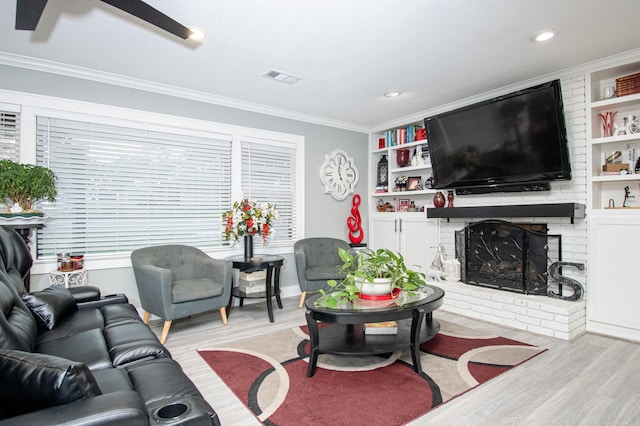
<point x="339" y="174"/>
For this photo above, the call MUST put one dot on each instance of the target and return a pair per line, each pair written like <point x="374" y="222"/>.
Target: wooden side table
<point x="272" y="265"/>
<point x="69" y="279"/>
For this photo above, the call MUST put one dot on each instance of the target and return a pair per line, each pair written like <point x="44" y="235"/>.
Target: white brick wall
<point x="537" y="314"/>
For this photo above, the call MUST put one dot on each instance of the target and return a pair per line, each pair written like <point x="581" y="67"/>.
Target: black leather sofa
<point x="70" y="356"/>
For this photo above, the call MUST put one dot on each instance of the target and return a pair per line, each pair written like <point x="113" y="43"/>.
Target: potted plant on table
<point x="370" y="272"/>
<point x="22" y="185"/>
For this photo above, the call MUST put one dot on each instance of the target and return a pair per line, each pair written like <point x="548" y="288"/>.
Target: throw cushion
<point x="32" y="381"/>
<point x="50" y="305"/>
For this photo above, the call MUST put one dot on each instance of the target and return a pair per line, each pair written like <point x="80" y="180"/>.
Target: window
<point x="121" y="187"/>
<point x="9" y="135"/>
<point x="269" y="175"/>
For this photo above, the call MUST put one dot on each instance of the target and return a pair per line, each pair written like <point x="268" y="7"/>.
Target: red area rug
<point x="268" y="374"/>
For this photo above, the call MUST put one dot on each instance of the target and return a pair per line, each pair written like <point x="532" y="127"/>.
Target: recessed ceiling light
<point x="197" y="34"/>
<point x="392" y="94"/>
<point x="544" y="35"/>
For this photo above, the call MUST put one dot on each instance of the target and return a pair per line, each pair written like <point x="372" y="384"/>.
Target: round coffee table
<point x="345" y="334"/>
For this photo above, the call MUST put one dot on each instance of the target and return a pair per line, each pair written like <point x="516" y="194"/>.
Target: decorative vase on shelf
<point x="248" y="247"/>
<point x="607" y="123"/>
<point x="402" y="157"/>
<point x="439" y="200"/>
<point x="450" y="198"/>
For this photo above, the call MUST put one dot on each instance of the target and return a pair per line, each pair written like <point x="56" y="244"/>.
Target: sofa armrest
<point x="86" y="293"/>
<point x="110" y="299"/>
<point x="117" y="408"/>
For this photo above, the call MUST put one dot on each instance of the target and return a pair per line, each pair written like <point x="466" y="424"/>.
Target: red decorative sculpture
<point x="356" y="234"/>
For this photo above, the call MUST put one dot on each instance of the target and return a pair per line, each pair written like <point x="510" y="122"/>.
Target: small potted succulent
<point x="23" y="185"/>
<point x="370" y="272"/>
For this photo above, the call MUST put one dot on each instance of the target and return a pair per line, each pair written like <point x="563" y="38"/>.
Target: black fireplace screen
<point x="506" y="255"/>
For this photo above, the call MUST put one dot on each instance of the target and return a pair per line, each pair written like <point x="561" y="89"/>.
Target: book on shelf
<point x="252" y="289"/>
<point x="254" y="282"/>
<point x="402" y="135"/>
<point x="387" y="327"/>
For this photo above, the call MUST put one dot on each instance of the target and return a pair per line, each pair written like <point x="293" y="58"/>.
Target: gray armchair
<point x="175" y="281"/>
<point x="317" y="261"/>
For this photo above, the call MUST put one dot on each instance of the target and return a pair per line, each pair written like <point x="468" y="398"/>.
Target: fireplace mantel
<point x="570" y="210"/>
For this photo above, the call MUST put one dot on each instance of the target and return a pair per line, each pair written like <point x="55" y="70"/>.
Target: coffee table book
<point x="387" y="327"/>
<point x="251" y="283"/>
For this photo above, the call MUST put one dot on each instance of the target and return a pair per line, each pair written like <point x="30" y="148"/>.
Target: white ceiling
<point x="347" y="52"/>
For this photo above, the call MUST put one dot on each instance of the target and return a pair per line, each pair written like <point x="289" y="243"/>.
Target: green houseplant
<point x="368" y="266"/>
<point x="24" y="185"/>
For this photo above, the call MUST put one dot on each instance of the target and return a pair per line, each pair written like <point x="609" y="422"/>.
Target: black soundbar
<point x="523" y="187"/>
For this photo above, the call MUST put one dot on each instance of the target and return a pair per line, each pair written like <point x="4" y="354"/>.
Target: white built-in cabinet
<point x="410" y="234"/>
<point x="613" y="288"/>
<point x="613" y="292"/>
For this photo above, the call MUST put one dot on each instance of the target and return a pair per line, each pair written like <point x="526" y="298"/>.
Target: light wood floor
<point x="593" y="380"/>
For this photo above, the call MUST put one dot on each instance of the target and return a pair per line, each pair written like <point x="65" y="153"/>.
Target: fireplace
<point x="507" y="256"/>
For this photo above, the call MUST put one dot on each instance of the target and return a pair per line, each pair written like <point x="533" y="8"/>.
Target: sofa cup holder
<point x="172" y="412"/>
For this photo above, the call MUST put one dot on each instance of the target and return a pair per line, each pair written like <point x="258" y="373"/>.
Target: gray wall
<point x="324" y="216"/>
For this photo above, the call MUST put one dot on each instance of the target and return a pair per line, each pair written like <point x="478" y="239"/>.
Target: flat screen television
<point x="515" y="142"/>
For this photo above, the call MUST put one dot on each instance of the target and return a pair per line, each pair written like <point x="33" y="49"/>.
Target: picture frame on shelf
<point x="413" y="183"/>
<point x="403" y="204"/>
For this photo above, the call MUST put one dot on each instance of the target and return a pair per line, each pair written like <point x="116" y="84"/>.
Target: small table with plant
<point x="378" y="288"/>
<point x="345" y="335"/>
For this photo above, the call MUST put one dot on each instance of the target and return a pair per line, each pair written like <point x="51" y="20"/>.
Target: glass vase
<point x="402" y="157"/>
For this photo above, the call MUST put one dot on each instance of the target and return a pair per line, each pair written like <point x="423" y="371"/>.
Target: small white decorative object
<point x="435" y="275"/>
<point x="339" y="174"/>
<point x="452" y="270"/>
<point x="631" y="125"/>
<point x="441" y="256"/>
<point x="619" y="130"/>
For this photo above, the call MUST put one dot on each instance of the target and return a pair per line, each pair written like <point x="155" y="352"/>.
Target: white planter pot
<point x="378" y="287"/>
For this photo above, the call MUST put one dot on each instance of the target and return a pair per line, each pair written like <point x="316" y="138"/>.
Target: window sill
<point x="98" y="262"/>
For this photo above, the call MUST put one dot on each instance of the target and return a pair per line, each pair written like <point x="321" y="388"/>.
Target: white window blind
<point x="122" y="188"/>
<point x="269" y="175"/>
<point x="10" y="135"/>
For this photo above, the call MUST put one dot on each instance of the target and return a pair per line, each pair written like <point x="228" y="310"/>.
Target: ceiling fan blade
<point x="153" y="16"/>
<point x="28" y="13"/>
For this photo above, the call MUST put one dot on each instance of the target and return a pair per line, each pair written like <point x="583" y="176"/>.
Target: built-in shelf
<point x="570" y="210"/>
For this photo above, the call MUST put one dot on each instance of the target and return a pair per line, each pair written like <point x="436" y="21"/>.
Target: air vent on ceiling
<point x="282" y="77"/>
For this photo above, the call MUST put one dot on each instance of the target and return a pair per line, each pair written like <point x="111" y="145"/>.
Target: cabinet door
<point x="419" y="240"/>
<point x="384" y="233"/>
<point x="613" y="291"/>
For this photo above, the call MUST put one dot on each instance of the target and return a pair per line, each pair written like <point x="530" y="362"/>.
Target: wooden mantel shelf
<point x="570" y="210"/>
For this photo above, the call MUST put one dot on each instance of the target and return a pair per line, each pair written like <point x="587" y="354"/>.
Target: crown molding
<point x="52" y="67"/>
<point x="149" y="86"/>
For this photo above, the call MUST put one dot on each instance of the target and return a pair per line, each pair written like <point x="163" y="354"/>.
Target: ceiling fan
<point x="28" y="13"/>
